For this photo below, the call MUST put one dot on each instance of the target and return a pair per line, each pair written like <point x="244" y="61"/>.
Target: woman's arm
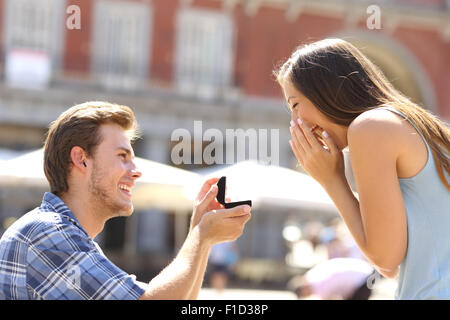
<point x="348" y="207"/>
<point x="378" y="220"/>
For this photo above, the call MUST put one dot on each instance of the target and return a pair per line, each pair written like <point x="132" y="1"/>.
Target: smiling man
<point x="49" y="253"/>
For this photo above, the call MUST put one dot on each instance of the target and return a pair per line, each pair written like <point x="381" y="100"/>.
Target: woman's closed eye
<point x="289" y="108"/>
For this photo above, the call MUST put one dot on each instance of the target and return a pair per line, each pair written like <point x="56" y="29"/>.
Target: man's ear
<point x="78" y="157"/>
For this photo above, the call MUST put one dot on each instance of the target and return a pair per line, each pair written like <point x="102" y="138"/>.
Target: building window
<point x="121" y="44"/>
<point x="33" y="40"/>
<point x="204" y="51"/>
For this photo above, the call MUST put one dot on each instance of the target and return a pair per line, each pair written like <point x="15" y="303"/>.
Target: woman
<point x="400" y="159"/>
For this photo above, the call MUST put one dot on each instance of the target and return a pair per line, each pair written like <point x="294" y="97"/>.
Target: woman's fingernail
<point x="325" y="134"/>
<point x="292" y="123"/>
<point x="299" y="121"/>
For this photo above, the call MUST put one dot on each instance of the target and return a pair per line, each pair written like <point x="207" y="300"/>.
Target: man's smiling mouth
<point x="126" y="189"/>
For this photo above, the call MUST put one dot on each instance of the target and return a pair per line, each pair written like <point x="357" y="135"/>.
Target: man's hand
<point x="206" y="201"/>
<point x="210" y="224"/>
<point x="217" y="224"/>
<point x="224" y="224"/>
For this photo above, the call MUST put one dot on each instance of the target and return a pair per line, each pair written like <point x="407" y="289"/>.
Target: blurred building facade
<point x="177" y="61"/>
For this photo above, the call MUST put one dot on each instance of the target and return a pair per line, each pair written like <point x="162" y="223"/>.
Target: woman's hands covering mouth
<point x="316" y="152"/>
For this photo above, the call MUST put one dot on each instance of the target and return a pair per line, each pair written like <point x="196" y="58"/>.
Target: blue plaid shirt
<point x="46" y="254"/>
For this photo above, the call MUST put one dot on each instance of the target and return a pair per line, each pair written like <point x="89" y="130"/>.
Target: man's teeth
<point x="124" y="187"/>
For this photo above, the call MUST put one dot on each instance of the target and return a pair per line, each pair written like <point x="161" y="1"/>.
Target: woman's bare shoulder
<point x="392" y="134"/>
<point x="380" y="123"/>
<point x="378" y="118"/>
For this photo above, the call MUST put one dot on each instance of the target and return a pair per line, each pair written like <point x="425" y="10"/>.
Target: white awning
<point x="273" y="186"/>
<point x="161" y="186"/>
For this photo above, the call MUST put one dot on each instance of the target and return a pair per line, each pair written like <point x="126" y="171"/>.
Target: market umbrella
<point x="161" y="186"/>
<point x="270" y="185"/>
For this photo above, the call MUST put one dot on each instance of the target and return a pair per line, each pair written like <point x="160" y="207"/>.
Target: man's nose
<point x="135" y="172"/>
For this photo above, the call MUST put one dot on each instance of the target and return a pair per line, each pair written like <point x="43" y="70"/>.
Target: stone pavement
<point x="384" y="290"/>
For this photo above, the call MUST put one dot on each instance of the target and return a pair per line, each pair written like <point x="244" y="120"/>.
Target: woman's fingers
<point x="298" y="143"/>
<point x="296" y="151"/>
<point x="330" y="143"/>
<point x="309" y="135"/>
<point x="298" y="137"/>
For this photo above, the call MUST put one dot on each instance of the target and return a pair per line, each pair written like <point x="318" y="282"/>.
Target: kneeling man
<point x="49" y="253"/>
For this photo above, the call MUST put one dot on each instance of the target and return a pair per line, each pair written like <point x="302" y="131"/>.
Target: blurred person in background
<point x="312" y="232"/>
<point x="49" y="253"/>
<point x="222" y="261"/>
<point x="339" y="242"/>
<point x="334" y="279"/>
<point x="399" y="153"/>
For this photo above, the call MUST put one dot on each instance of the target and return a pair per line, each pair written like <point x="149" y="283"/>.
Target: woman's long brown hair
<point x="342" y="83"/>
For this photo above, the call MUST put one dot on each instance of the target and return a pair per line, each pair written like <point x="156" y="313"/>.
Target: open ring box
<point x="221" y="184"/>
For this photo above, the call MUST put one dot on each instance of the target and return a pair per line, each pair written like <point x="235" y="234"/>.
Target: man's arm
<point x="205" y="201"/>
<point x="200" y="276"/>
<point x="182" y="279"/>
<point x="177" y="279"/>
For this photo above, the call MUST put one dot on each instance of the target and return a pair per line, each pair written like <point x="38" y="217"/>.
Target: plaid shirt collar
<point x="58" y="206"/>
<point x="49" y="259"/>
